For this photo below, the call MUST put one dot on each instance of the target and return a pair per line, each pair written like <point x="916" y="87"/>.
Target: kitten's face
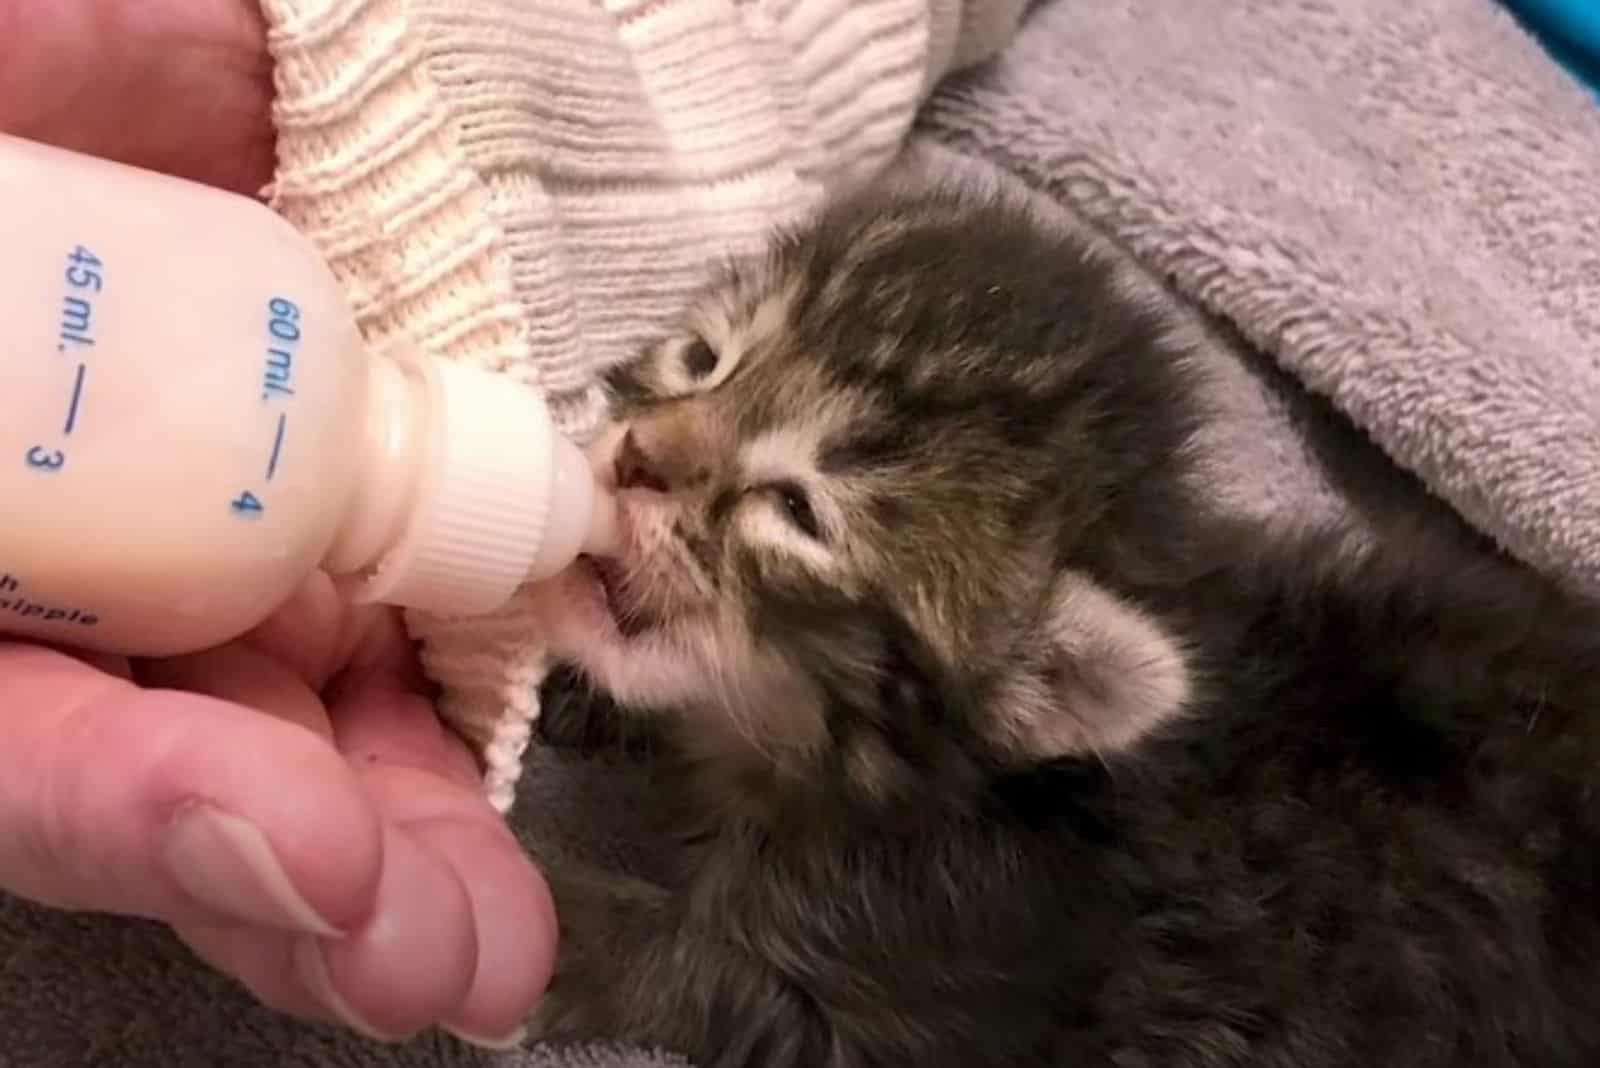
<point x="846" y="516"/>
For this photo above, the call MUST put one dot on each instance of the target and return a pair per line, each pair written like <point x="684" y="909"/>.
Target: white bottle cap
<point x="505" y="499"/>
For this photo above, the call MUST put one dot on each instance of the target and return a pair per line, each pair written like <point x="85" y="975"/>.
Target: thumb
<point x="174" y="806"/>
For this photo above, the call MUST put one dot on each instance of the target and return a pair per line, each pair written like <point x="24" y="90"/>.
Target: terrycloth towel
<point x="1396" y="202"/>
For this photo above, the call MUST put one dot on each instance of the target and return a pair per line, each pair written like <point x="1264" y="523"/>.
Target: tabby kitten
<point x="985" y="739"/>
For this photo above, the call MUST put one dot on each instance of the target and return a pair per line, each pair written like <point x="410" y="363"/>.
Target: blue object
<point x="1569" y="30"/>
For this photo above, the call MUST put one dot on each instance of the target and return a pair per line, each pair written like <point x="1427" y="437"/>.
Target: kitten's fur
<point x="985" y="741"/>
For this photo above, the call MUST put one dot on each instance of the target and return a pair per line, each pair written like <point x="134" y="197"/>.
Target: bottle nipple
<point x="605" y="537"/>
<point x="583" y="516"/>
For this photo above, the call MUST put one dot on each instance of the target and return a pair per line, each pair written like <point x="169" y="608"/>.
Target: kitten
<point x="984" y="739"/>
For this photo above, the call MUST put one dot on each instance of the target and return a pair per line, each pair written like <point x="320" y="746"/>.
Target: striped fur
<point x="987" y="740"/>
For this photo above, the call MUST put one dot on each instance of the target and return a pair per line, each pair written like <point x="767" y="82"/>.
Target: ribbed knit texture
<point x="537" y="186"/>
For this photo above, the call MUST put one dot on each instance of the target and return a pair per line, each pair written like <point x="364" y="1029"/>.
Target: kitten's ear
<point x="1102" y="676"/>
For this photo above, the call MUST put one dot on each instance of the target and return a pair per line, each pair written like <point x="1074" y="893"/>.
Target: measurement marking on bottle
<point x="84" y="275"/>
<point x="277" y="445"/>
<point x="279" y="374"/>
<point x="277" y="386"/>
<point x="77" y="398"/>
<point x="283" y="329"/>
<point x="76" y="318"/>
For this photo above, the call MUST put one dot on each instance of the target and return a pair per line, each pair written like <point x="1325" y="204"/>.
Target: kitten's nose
<point x="635" y="469"/>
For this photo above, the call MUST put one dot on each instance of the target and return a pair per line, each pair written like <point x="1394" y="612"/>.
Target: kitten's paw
<point x="565" y="1016"/>
<point x="615" y="930"/>
<point x="550" y="1020"/>
<point x="573" y="716"/>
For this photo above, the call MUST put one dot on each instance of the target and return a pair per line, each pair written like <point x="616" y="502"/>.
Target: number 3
<point x="248" y="504"/>
<point x="43" y="460"/>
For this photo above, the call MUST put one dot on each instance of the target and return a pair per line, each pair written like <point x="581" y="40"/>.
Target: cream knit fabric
<point x="537" y="185"/>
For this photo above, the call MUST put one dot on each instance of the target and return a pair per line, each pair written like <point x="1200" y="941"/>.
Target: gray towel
<point x="1400" y="202"/>
<point x="1396" y="202"/>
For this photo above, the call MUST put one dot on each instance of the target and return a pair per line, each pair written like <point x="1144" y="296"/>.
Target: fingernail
<point x="226" y="863"/>
<point x="512" y="1041"/>
<point x="313" y="971"/>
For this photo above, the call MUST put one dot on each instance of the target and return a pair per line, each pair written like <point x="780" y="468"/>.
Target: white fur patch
<point x="1121" y="676"/>
<point x="1138" y="671"/>
<point x="703" y="666"/>
<point x="733" y="325"/>
<point x="789" y="454"/>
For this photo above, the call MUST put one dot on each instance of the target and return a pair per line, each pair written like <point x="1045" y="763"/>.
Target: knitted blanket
<point x="1390" y="205"/>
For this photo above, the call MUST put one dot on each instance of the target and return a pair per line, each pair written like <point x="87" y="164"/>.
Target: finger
<point x="174" y="806"/>
<point x="315" y="633"/>
<point x="382" y="711"/>
<point x="424" y="781"/>
<point x="260" y="959"/>
<point x="182" y="87"/>
<point x="513" y="917"/>
<point x="105" y="663"/>
<point x="516" y="923"/>
<point x="384" y="648"/>
<point x="282" y="665"/>
<point x="412" y="963"/>
<point x="408" y="966"/>
<point x="243" y="676"/>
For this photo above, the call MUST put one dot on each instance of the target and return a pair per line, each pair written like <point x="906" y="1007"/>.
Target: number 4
<point x="247" y="504"/>
<point x="84" y="258"/>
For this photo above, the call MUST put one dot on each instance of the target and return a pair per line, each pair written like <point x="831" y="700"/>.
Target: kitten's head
<point x="860" y="490"/>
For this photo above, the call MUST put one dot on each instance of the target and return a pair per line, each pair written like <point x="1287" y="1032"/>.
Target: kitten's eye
<point x="699" y="359"/>
<point x="797" y="506"/>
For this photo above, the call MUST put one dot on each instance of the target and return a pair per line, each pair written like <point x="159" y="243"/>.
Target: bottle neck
<point x="389" y="471"/>
<point x="464" y="491"/>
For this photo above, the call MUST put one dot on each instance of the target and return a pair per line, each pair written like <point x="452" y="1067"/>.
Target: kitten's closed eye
<point x="796" y="505"/>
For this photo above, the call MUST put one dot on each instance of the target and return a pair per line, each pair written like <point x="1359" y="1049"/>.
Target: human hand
<point x="179" y="86"/>
<point x="293" y="783"/>
<point x="292" y="807"/>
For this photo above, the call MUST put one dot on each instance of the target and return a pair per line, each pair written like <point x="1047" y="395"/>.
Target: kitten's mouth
<point x="607" y="575"/>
